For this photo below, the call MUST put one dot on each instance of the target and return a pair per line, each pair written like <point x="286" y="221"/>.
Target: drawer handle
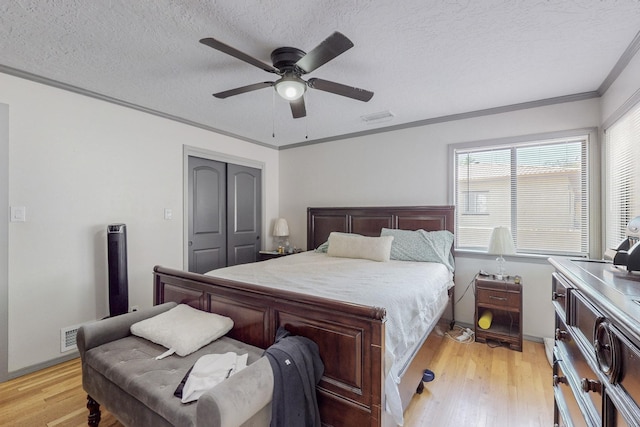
<point x="497" y="298"/>
<point x="562" y="335"/>
<point x="590" y="385"/>
<point x="559" y="380"/>
<point x="557" y="295"/>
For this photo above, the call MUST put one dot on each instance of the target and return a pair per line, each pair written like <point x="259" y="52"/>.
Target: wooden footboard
<point x="349" y="336"/>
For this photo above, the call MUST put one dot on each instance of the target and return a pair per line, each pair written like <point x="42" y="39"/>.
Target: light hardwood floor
<point x="480" y="386"/>
<point x="475" y="386"/>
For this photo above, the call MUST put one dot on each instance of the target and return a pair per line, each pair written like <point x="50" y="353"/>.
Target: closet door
<point x="244" y="212"/>
<point x="207" y="225"/>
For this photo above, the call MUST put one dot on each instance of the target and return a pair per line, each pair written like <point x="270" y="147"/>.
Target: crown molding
<point x="622" y="63"/>
<point x="454" y="117"/>
<point x="75" y="89"/>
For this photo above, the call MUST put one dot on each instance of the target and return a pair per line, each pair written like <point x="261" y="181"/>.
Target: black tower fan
<point x="117" y="258"/>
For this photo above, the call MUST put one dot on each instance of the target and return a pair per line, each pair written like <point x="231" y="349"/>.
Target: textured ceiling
<point x="423" y="59"/>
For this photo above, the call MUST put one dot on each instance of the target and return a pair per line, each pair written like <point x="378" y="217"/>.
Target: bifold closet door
<point x="225" y="212"/>
<point x="244" y="214"/>
<point x="207" y="226"/>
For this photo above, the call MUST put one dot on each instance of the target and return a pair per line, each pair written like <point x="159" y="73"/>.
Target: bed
<point x="351" y="334"/>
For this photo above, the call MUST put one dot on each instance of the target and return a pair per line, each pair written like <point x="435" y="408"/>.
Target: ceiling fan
<point x="290" y="64"/>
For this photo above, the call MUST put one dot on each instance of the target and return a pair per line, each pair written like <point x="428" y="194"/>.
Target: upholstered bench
<point x="121" y="373"/>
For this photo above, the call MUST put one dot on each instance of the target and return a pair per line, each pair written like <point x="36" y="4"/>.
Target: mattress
<point x="414" y="295"/>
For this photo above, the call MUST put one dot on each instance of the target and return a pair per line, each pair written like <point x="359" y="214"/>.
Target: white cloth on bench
<point x="210" y="370"/>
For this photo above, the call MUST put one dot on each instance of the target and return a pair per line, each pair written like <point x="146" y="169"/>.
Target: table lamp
<point x="280" y="232"/>
<point x="501" y="243"/>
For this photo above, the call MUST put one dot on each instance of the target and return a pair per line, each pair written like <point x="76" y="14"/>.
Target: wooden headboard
<point x="368" y="221"/>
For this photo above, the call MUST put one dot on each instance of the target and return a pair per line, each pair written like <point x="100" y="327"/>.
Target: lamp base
<point x="501" y="274"/>
<point x="282" y="244"/>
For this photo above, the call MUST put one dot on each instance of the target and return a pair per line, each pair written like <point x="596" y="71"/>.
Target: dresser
<point x="596" y="370"/>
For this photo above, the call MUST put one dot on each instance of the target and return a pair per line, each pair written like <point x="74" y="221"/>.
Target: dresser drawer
<point x="584" y="317"/>
<point x="560" y="293"/>
<point x="567" y="410"/>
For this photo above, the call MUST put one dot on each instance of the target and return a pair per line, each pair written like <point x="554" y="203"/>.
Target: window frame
<point x="593" y="179"/>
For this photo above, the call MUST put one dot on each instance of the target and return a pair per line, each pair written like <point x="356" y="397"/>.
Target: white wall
<point x="4" y="238"/>
<point x="410" y="167"/>
<point x="78" y="164"/>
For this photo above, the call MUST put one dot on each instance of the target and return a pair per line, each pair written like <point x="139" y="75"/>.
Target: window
<point x="622" y="175"/>
<point x="537" y="187"/>
<point x="474" y="202"/>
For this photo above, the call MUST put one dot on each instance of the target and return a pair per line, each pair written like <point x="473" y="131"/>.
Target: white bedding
<point x="414" y="295"/>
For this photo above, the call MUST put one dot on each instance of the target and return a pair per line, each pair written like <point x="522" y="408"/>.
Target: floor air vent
<point x="68" y="338"/>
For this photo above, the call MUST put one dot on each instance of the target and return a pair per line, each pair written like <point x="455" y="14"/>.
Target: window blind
<point x="538" y="189"/>
<point x="622" y="175"/>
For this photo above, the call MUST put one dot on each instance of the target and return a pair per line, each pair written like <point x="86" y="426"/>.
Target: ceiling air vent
<point x="373" y="118"/>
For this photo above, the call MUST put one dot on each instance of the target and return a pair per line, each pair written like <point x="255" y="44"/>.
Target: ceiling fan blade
<point x="331" y="47"/>
<point x="340" y="89"/>
<point x="243" y="89"/>
<point x="297" y="108"/>
<point x="218" y="45"/>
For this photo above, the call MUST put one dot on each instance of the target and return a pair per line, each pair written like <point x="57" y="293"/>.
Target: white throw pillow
<point x="183" y="329"/>
<point x="348" y="245"/>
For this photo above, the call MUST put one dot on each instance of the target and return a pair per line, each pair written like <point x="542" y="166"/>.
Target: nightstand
<point x="265" y="255"/>
<point x="501" y="301"/>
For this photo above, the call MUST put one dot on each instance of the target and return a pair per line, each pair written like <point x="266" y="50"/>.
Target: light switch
<point x="168" y="214"/>
<point x="18" y="214"/>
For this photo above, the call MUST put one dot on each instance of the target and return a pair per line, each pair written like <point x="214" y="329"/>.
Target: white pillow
<point x="183" y="329"/>
<point x="348" y="245"/>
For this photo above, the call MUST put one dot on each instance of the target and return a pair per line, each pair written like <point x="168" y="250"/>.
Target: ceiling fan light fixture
<point x="290" y="88"/>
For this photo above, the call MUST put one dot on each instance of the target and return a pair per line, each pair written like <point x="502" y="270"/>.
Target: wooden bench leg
<point x="94" y="412"/>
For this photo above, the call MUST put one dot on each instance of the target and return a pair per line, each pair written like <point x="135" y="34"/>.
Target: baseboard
<point x="49" y="363"/>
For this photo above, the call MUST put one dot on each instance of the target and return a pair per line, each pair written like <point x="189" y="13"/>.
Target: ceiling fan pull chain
<point x="273" y="114"/>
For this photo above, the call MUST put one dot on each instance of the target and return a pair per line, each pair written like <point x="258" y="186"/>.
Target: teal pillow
<point x="322" y="248"/>
<point x="420" y="245"/>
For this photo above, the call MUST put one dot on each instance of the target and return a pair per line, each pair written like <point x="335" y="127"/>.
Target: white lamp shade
<point x="501" y="242"/>
<point x="281" y="228"/>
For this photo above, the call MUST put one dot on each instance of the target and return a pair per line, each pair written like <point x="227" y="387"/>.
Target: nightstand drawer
<point x="502" y="299"/>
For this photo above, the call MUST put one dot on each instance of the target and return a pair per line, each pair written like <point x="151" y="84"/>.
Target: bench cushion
<point x="130" y="364"/>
